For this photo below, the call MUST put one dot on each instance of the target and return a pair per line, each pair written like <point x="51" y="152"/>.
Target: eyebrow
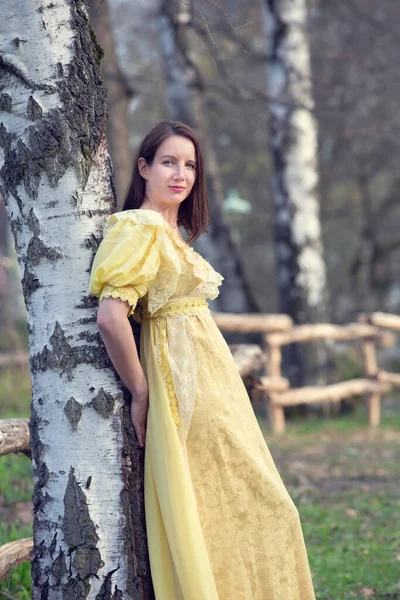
<point x="172" y="156"/>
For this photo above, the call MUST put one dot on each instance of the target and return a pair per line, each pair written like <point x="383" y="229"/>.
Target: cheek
<point x="192" y="178"/>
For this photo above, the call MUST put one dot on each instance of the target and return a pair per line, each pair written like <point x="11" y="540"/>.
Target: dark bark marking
<point x="81" y="537"/>
<point x="105" y="590"/>
<point x="92" y="242"/>
<point x="103" y="403"/>
<point x="87" y="562"/>
<point x="33" y="110"/>
<point x="99" y="49"/>
<point x="5" y="137"/>
<point x="44" y="592"/>
<point x="90" y="337"/>
<point x="73" y="411"/>
<point x="87" y="302"/>
<point x="75" y="589"/>
<point x="62" y="356"/>
<point x="30" y="283"/>
<point x="16" y="228"/>
<point x="5" y="102"/>
<point x="37" y="251"/>
<point x="52" y="546"/>
<point x="87" y="320"/>
<point x="136" y="550"/>
<point x="35" y="442"/>
<point x="8" y="67"/>
<point x="59" y="568"/>
<point x="65" y="357"/>
<point x="33" y="222"/>
<point x="18" y="41"/>
<point x="79" y="529"/>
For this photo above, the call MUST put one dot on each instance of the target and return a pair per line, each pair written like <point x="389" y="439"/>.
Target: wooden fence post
<point x="371" y="372"/>
<point x="276" y="412"/>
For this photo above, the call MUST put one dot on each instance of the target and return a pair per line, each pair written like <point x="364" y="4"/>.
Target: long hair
<point x="194" y="211"/>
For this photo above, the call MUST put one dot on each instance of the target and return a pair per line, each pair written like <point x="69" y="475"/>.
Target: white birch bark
<point x="55" y="177"/>
<point x="185" y="101"/>
<point x="300" y="264"/>
<point x="300" y="261"/>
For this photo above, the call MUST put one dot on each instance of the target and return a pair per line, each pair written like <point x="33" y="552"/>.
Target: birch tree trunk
<point x="301" y="273"/>
<point x="185" y="101"/>
<point x="119" y="94"/>
<point x="89" y="539"/>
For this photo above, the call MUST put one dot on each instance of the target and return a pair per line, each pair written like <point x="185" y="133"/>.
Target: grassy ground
<point x="343" y="477"/>
<point x="345" y="481"/>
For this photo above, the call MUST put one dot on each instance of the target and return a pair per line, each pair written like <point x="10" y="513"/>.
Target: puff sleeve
<point x="126" y="261"/>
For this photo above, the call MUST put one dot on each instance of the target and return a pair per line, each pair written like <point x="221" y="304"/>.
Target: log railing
<point x="369" y="331"/>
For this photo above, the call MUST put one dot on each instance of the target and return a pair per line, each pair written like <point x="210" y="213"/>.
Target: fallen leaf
<point x="366" y="592"/>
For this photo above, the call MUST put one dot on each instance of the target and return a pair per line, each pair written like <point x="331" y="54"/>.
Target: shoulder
<point x="137" y="216"/>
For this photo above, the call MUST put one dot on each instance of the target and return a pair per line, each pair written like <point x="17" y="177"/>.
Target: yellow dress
<point x="220" y="522"/>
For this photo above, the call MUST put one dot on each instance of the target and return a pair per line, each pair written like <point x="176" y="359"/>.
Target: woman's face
<point x="171" y="177"/>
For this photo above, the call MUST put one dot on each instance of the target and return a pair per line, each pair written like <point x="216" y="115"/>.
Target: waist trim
<point x="176" y="308"/>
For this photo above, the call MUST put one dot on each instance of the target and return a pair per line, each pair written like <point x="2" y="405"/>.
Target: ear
<point x="142" y="166"/>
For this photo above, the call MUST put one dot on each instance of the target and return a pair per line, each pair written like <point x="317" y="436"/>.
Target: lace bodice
<point x="142" y="257"/>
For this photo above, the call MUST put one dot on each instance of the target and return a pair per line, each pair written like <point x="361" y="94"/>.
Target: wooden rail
<point x="370" y="331"/>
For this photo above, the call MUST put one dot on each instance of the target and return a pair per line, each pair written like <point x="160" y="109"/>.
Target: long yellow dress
<point x="220" y="522"/>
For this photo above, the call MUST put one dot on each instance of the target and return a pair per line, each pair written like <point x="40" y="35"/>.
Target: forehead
<point x="178" y="146"/>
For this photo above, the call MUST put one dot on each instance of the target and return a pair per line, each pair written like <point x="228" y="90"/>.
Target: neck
<point x="170" y="214"/>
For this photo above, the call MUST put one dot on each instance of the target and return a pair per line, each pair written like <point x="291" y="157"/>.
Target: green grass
<point x="344" y="479"/>
<point x="15" y="393"/>
<point x="16" y="483"/>
<point x="353" y="545"/>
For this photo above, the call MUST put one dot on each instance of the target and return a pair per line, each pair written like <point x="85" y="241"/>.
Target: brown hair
<point x="194" y="211"/>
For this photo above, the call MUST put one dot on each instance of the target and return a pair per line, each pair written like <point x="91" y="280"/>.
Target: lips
<point x="177" y="187"/>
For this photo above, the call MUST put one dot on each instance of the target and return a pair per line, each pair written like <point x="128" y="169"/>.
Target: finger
<point x="139" y="434"/>
<point x="143" y="436"/>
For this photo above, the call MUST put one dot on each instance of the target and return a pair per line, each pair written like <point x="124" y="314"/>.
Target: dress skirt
<point x="220" y="522"/>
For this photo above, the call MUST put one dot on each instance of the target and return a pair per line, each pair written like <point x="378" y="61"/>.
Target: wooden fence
<point x="278" y="331"/>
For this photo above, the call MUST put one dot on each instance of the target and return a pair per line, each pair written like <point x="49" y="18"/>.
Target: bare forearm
<point x="121" y="348"/>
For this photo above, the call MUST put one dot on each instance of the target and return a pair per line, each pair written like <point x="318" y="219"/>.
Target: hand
<point x="139" y="409"/>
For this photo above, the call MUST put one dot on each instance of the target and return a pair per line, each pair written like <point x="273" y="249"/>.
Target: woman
<point x="220" y="523"/>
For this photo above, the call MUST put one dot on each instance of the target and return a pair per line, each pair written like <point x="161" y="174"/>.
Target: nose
<point x="179" y="172"/>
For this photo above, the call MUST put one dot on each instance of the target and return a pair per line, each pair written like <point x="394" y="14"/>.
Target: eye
<point x="191" y="165"/>
<point x="167" y="162"/>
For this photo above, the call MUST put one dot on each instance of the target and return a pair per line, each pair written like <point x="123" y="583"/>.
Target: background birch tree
<point x="301" y="272"/>
<point x="119" y="94"/>
<point x="185" y="100"/>
<point x="55" y="178"/>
